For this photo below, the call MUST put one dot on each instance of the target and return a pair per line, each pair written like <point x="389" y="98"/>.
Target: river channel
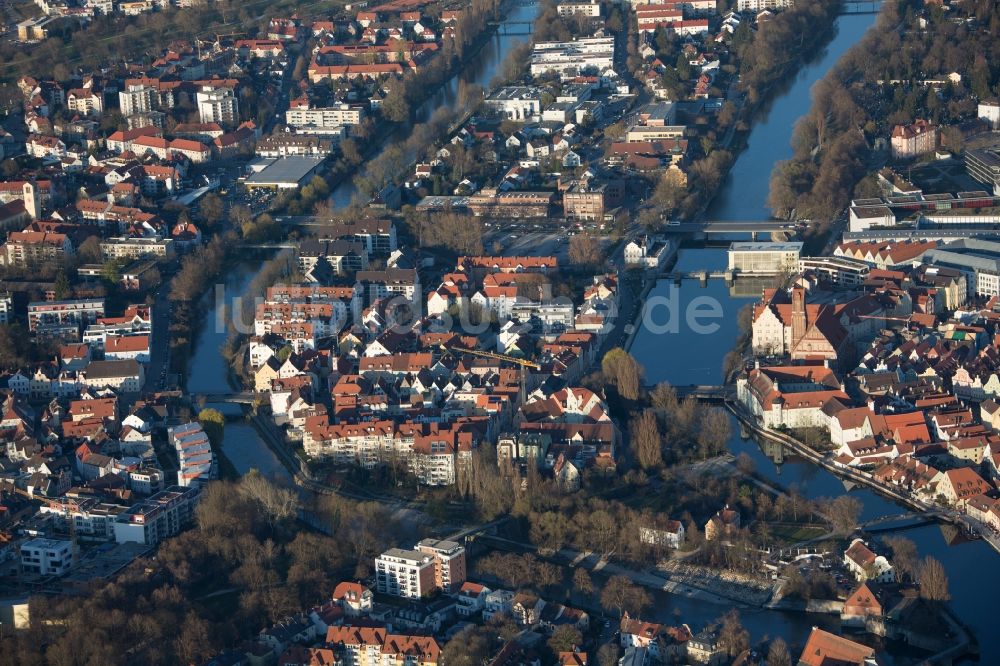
<point x="480" y="70"/>
<point x="681" y="357"/>
<point x="684" y="357"/>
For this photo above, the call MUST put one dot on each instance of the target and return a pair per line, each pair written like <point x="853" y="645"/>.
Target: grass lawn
<point x="796" y="533"/>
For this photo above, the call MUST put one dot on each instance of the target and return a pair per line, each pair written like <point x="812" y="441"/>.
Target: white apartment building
<point x="196" y="461"/>
<point x="6" y="306"/>
<point x="989" y="111"/>
<point x="155" y="518"/>
<point x="330" y="116"/>
<point x="568" y="59"/>
<point x="591" y="8"/>
<point x="515" y="102"/>
<point x="47" y="557"/>
<point x="405" y="573"/>
<point x="761" y="5"/>
<point x="217" y="105"/>
<point x="125" y="376"/>
<point x="137" y="98"/>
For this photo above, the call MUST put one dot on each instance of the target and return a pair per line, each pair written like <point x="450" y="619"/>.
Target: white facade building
<point x="763" y="258"/>
<point x="989" y="111"/>
<point x="47" y="557"/>
<point x="515" y="102"/>
<point x="217" y="105"/>
<point x="404" y="573"/>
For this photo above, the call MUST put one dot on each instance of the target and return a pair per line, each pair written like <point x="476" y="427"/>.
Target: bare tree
<point x="777" y="653"/>
<point x="624" y="371"/>
<point x="277" y="503"/>
<point x="904" y="557"/>
<point x="645" y="435"/>
<point x="933" y="580"/>
<point x="582" y="581"/>
<point x="733" y="638"/>
<point x="622" y="595"/>
<point x="585" y="250"/>
<point x="842" y="513"/>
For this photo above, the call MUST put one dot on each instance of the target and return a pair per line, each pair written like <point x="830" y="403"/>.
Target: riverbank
<point x="940" y="514"/>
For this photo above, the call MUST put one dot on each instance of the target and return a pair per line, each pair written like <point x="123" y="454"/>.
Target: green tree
<point x="213" y="422"/>
<point x="62" y="287"/>
<point x="111" y="272"/>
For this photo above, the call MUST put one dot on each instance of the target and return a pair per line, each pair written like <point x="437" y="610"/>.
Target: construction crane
<point x="902" y="319"/>
<point x="63" y="504"/>
<point x="522" y="363"/>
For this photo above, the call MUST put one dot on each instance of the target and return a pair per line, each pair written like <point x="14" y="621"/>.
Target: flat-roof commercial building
<point x="764" y="258"/>
<point x="515" y="102"/>
<point x="984" y="166"/>
<point x="285" y="173"/>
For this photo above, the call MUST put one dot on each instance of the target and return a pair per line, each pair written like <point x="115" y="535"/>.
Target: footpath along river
<point x="687" y="358"/>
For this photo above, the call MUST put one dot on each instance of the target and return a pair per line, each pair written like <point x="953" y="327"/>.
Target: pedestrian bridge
<point x="235" y="397"/>
<point x="706" y="392"/>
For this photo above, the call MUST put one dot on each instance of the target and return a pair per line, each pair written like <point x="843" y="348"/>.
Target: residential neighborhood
<point x="506" y="332"/>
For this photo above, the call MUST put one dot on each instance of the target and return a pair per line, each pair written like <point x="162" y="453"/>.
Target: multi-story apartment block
<point x="30" y="248"/>
<point x="591" y="8"/>
<point x="449" y="563"/>
<point x="303" y="118"/>
<point x="47" y="557"/>
<point x="157" y="517"/>
<point x="6" y="306"/>
<point x="377" y="235"/>
<point x="912" y="140"/>
<point x="136" y="248"/>
<point x="405" y="573"/>
<point x="217" y="105"/>
<point x="138" y="98"/>
<point x="80" y="311"/>
<point x="197" y="462"/>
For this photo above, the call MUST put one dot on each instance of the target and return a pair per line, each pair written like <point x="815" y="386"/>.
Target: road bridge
<point x="861" y="7"/>
<point x="710" y="227"/>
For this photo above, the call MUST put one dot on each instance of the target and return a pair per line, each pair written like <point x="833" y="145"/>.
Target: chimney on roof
<point x="798" y="315"/>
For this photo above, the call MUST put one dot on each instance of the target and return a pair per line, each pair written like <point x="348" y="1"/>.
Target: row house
<point x="327" y="318"/>
<point x="26" y="249"/>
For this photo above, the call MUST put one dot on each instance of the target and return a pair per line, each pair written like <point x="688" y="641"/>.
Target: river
<point x="480" y="70"/>
<point x="684" y="357"/>
<point x="208" y="373"/>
